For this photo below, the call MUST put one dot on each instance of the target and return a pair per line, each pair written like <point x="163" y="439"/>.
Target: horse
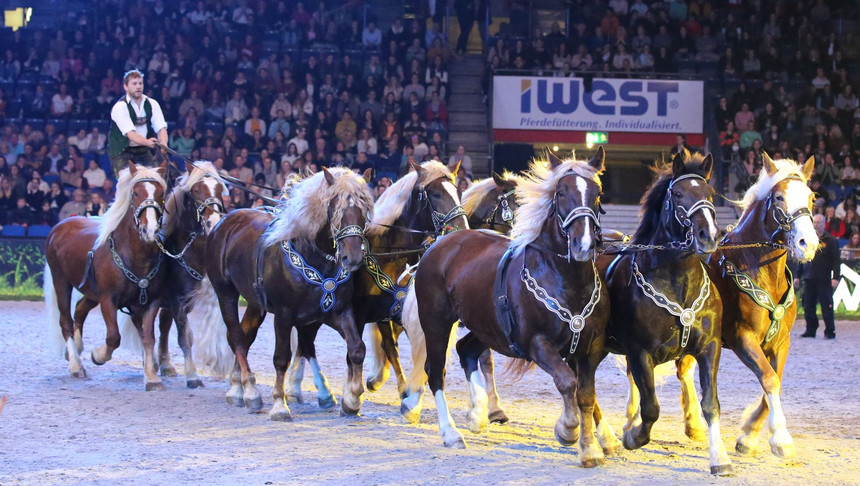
<point x="194" y="207"/>
<point x="665" y="306"/>
<point x="114" y="263"/>
<point x="297" y="265"/>
<point x="750" y="270"/>
<point x="418" y="208"/>
<point x="488" y="204"/>
<point x="527" y="314"/>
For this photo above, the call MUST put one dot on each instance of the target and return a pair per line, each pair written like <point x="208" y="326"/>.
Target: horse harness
<point x="760" y="296"/>
<point x="502" y="302"/>
<point x="503" y="210"/>
<point x="441" y="220"/>
<point x="310" y="274"/>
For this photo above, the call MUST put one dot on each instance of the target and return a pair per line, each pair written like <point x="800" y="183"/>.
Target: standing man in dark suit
<point x="820" y="277"/>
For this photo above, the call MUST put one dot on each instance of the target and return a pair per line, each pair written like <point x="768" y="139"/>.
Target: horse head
<point x="439" y="195"/>
<point x="207" y="195"/>
<point x="147" y="202"/>
<point x="503" y="200"/>
<point x="688" y="204"/>
<point x="790" y="206"/>
<point x="347" y="217"/>
<point x="576" y="204"/>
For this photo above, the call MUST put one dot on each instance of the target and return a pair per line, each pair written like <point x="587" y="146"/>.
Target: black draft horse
<point x="664" y="305"/>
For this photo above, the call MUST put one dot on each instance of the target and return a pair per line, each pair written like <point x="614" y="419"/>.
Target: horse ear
<point x="554" y="161"/>
<point x="498" y="180"/>
<point x="809" y="167"/>
<point x="708" y="166"/>
<point x="457" y="168"/>
<point x="132" y="168"/>
<point x="769" y="167"/>
<point x="368" y="175"/>
<point x="418" y="169"/>
<point x="678" y="167"/>
<point x="599" y="159"/>
<point x="328" y="177"/>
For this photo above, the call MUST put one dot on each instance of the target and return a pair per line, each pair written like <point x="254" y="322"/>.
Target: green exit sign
<point x="593" y="138"/>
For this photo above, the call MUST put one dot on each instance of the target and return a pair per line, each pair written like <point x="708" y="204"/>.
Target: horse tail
<point x="661" y="372"/>
<point x="129" y="334"/>
<point x="417" y="340"/>
<point x="53" y="335"/>
<point x="210" y="331"/>
<point x="516" y="368"/>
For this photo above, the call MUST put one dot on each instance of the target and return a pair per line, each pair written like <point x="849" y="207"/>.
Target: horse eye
<point x="678" y="194"/>
<point x="779" y="197"/>
<point x="437" y="196"/>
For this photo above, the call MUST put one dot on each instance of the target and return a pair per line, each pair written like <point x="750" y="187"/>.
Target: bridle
<point x="502" y="209"/>
<point x="682" y="214"/>
<point x="148" y="203"/>
<point x="784" y="220"/>
<point x="341" y="234"/>
<point x="440" y="220"/>
<point x="565" y="222"/>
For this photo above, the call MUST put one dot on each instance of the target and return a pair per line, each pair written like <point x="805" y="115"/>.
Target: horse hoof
<point x="81" y="373"/>
<point x="412" y="416"/>
<point x="348" y="412"/>
<point x="782" y="450"/>
<point x="610" y="449"/>
<point x="743" y="449"/>
<point x="567" y="443"/>
<point x="594" y="462"/>
<point x="254" y="404"/>
<point x="722" y="470"/>
<point x="95" y="361"/>
<point x="236" y="402"/>
<point x="696" y="434"/>
<point x="169" y="371"/>
<point x="327" y="403"/>
<point x="197" y="383"/>
<point x="154" y="386"/>
<point x="498" y="417"/>
<point x="373" y="385"/>
<point x="280" y="416"/>
<point x="457" y="443"/>
<point x="630" y="442"/>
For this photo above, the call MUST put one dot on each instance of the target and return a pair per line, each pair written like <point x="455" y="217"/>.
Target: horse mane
<point x="785" y="168"/>
<point x="120" y="206"/>
<point x="175" y="206"/>
<point x="394" y="200"/>
<point x="652" y="200"/>
<point x="305" y="213"/>
<point x="473" y="196"/>
<point x="535" y="191"/>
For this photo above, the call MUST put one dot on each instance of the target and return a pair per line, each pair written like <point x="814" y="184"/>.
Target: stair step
<point x="461" y="100"/>
<point x="467" y="128"/>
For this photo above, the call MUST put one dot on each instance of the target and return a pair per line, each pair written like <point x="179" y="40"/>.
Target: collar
<point x="129" y="101"/>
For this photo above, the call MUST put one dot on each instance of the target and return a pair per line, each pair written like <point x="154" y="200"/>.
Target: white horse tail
<point x="53" y="333"/>
<point x="210" y="332"/>
<point x="128" y="333"/>
<point x="417" y="341"/>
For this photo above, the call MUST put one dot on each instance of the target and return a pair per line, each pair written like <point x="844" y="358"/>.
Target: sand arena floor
<point x="106" y="429"/>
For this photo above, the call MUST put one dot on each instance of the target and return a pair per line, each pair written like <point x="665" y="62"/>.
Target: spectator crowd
<point x="262" y="89"/>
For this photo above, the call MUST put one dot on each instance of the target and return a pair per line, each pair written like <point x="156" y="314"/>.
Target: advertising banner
<point x="612" y="105"/>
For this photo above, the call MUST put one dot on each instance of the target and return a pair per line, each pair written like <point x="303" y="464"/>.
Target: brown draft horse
<point x="298" y="266"/>
<point x="665" y="307"/>
<point x="759" y="307"/>
<point x="418" y="208"/>
<point x="489" y="204"/>
<point x="193" y="209"/>
<point x="123" y="271"/>
<point x="558" y="305"/>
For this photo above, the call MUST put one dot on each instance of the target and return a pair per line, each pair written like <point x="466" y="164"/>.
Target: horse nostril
<point x="801" y="243"/>
<point x="703" y="234"/>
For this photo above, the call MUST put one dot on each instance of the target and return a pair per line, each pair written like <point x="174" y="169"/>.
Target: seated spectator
<point x="108" y="191"/>
<point x="414" y="126"/>
<point x="181" y="141"/>
<point x="462" y="158"/>
<point x="236" y="109"/>
<point x="80" y="140"/>
<point x="242" y="173"/>
<point x="95" y="207"/>
<point x="76" y="207"/>
<point x="850" y="253"/>
<point x="56" y="196"/>
<point x="848" y="174"/>
<point x="728" y="138"/>
<point x="419" y="148"/>
<point x="96" y="142"/>
<point x="61" y="103"/>
<point x="254" y="123"/>
<point x="71" y="176"/>
<point x="371" y="37"/>
<point x="346" y="124"/>
<point x="832" y="224"/>
<point x="367" y="142"/>
<point x="749" y="136"/>
<point x="437" y="113"/>
<point x="36" y="190"/>
<point x="46" y="214"/>
<point x="827" y="171"/>
<point x="21" y="215"/>
<point x="94" y="175"/>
